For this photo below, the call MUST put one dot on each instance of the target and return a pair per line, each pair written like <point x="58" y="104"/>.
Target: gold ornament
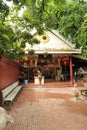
<point x="44" y="38"/>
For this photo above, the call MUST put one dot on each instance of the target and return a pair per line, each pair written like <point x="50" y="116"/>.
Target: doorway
<point x="53" y="67"/>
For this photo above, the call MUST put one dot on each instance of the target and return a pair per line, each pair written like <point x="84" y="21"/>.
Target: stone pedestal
<point x="36" y="80"/>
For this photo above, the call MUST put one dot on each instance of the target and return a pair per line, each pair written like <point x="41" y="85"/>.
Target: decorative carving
<point x="44" y="38"/>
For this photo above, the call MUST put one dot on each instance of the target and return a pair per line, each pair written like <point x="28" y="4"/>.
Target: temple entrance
<point x="52" y="67"/>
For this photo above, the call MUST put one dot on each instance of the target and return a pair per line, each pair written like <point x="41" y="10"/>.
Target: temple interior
<point x="52" y="67"/>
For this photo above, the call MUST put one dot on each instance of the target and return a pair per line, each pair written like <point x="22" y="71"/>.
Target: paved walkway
<point x="48" y="109"/>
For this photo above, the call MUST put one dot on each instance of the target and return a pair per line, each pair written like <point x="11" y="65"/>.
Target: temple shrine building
<point x="54" y="56"/>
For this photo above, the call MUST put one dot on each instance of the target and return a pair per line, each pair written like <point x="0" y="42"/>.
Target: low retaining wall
<point x="9" y="72"/>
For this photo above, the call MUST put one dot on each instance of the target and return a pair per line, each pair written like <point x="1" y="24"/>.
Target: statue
<point x="39" y="76"/>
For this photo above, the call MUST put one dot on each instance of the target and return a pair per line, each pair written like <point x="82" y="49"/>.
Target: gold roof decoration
<point x="44" y="38"/>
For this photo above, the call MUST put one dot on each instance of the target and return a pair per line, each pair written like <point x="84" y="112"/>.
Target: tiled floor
<point x="48" y="108"/>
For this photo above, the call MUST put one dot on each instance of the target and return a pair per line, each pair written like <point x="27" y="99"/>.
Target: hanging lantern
<point x="65" y="61"/>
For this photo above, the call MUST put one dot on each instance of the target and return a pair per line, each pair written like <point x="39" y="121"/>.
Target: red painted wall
<point x="9" y="72"/>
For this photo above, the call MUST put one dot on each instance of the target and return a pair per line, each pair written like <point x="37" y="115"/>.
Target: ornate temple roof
<point x="52" y="42"/>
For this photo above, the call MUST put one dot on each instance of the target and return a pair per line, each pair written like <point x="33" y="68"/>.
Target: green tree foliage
<point x="4" y="30"/>
<point x="5" y="38"/>
<point x="14" y="34"/>
<point x="69" y="18"/>
<point x="82" y="36"/>
<point x="72" y="24"/>
<point x="42" y="13"/>
<point x="4" y="10"/>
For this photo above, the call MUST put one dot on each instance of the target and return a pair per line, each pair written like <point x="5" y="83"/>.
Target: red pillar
<point x="71" y="71"/>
